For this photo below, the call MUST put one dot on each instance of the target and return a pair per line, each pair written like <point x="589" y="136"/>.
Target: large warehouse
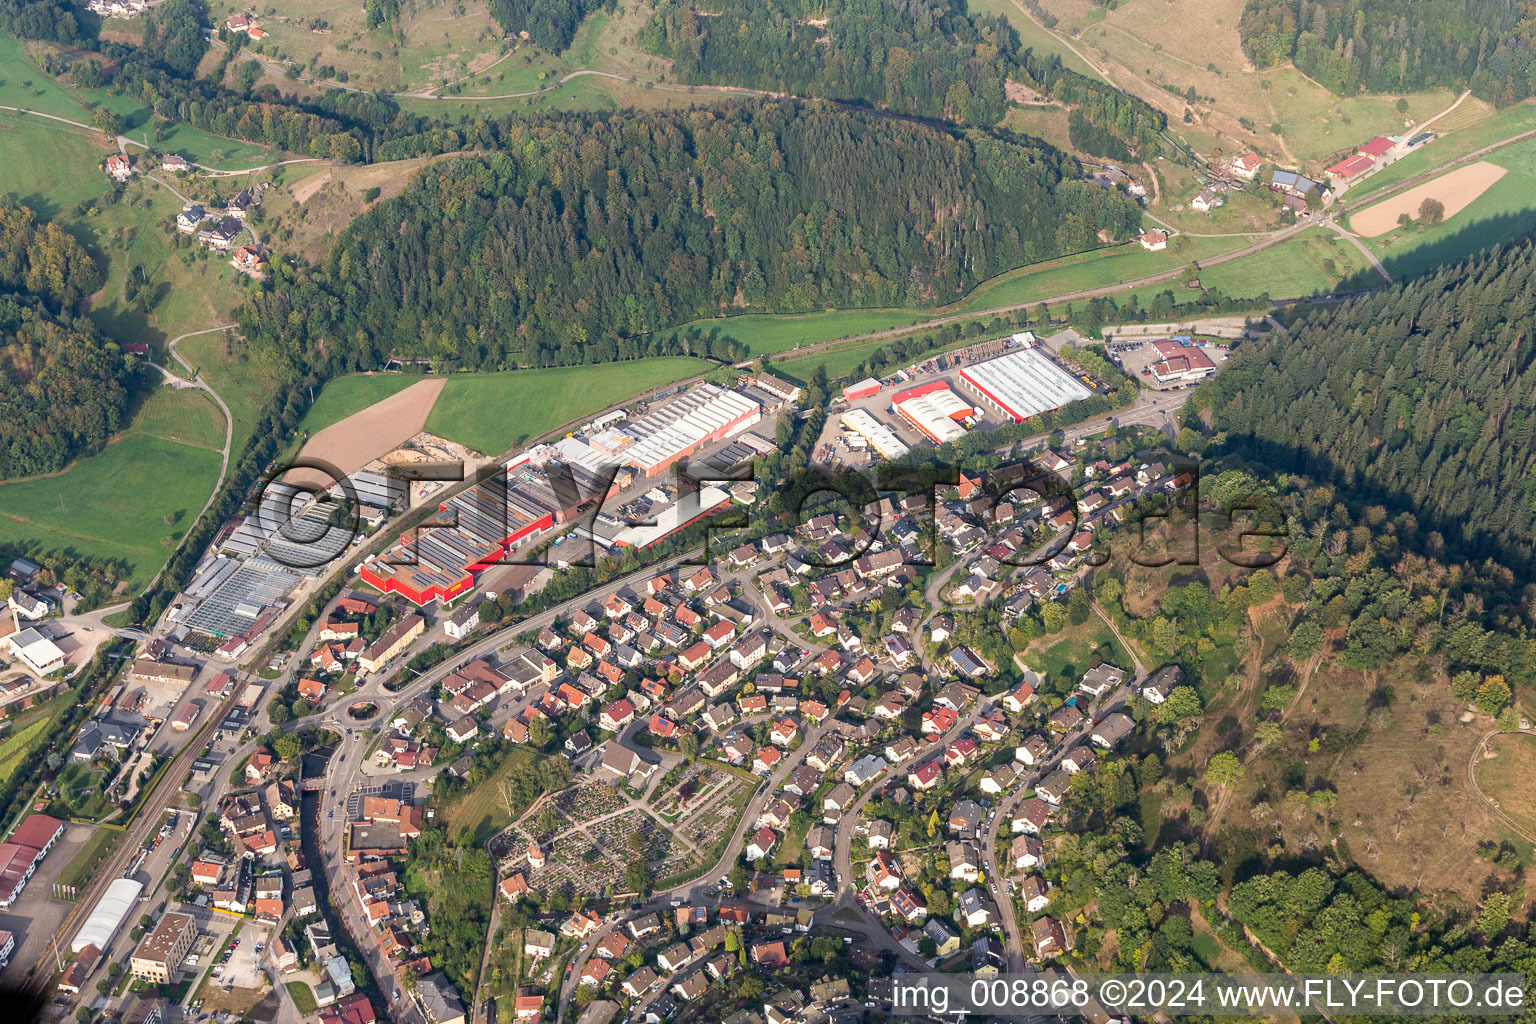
<point x="476" y="530"/>
<point x="706" y="414"/>
<point x="108" y="915"/>
<point x="934" y="411"/>
<point x="23" y="852"/>
<point x="880" y="437"/>
<point x="1022" y="384"/>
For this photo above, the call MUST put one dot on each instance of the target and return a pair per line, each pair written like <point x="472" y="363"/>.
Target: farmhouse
<point x="1246" y="166"/>
<point x="1154" y="240"/>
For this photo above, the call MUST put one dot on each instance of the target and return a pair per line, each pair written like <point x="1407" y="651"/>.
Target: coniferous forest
<point x="585" y="232"/>
<point x="925" y="57"/>
<point x="549" y="23"/>
<point x="1421" y="397"/>
<point x="1397" y="46"/>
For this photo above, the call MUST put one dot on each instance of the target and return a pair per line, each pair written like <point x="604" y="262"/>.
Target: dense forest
<point x="173" y="36"/>
<point x="917" y="56"/>
<point x="64" y="387"/>
<point x="44" y="260"/>
<point x="549" y="23"/>
<point x="587" y="229"/>
<point x="924" y="57"/>
<point x="62" y="384"/>
<point x="1393" y="46"/>
<point x="1422" y="396"/>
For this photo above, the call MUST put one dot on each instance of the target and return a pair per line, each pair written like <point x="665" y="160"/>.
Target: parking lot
<point x="36" y="916"/>
<point x="241" y="970"/>
<point x="1136" y="356"/>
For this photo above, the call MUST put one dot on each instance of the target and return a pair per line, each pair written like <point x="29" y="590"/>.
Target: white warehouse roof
<point x="108" y="916"/>
<point x="708" y="412"/>
<point x="934" y="412"/>
<point x="1023" y="384"/>
<point x="880" y="437"/>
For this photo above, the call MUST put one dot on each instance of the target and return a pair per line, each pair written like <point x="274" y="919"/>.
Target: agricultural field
<point x="1506" y="211"/>
<point x="1312" y="262"/>
<point x="839" y="361"/>
<point x="351" y="394"/>
<point x="1099" y="269"/>
<point x="50" y="167"/>
<point x="1469" y="128"/>
<point x="26" y="729"/>
<point x="132" y="500"/>
<point x="23" y="84"/>
<point x="496" y="412"/>
<point x="432" y="43"/>
<point x="1454" y="190"/>
<point x="775" y="334"/>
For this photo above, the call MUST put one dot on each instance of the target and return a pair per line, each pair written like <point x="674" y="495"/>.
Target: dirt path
<point x="1370" y="257"/>
<point x="1425" y="124"/>
<point x="1477" y="755"/>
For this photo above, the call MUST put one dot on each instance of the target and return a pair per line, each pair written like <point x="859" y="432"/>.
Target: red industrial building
<point x="440" y="560"/>
<point x="23" y="852"/>
<point x="934" y="410"/>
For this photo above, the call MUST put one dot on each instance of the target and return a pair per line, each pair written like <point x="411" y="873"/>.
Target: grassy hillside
<point x="131" y="501"/>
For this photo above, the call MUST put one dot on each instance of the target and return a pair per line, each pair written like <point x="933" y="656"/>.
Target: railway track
<point x="135" y="833"/>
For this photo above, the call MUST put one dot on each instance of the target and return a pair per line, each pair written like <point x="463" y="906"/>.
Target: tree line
<point x="1388" y="46"/>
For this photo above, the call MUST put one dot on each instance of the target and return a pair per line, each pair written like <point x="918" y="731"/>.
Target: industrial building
<point x="865" y="388"/>
<point x="108" y="915"/>
<point x="552" y="484"/>
<point x="1022" y="384"/>
<point x="1181" y="362"/>
<point x="290" y="527"/>
<point x="158" y="958"/>
<point x="237" y="597"/>
<point x="935" y="411"/>
<point x="381" y="490"/>
<point x="477" y="528"/>
<point x="706" y="414"/>
<point x="880" y="437"/>
<point x="23" y="851"/>
<point x="36" y="650"/>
